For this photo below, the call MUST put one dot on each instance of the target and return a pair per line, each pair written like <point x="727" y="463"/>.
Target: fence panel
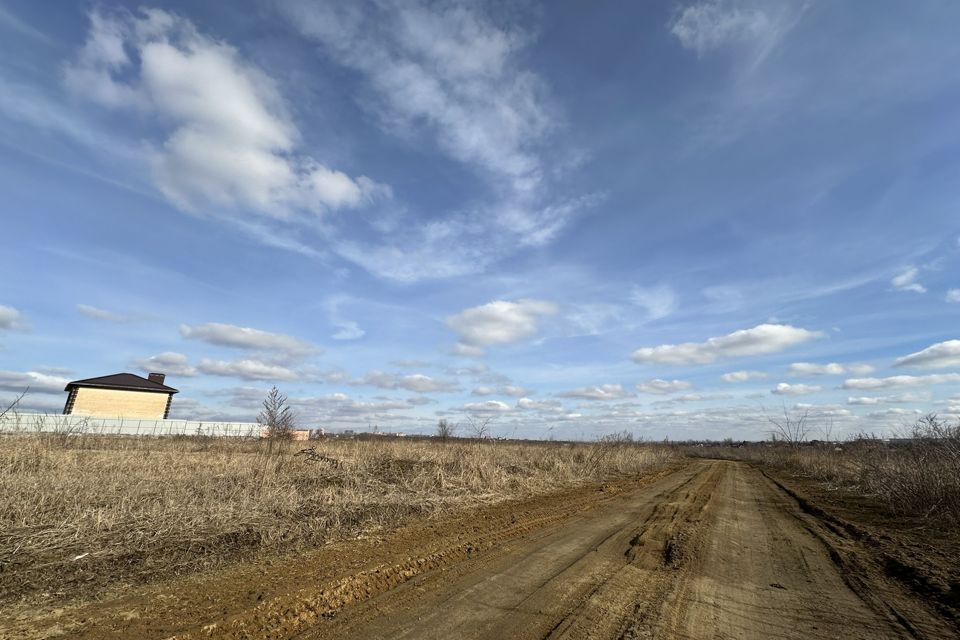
<point x="57" y="423"/>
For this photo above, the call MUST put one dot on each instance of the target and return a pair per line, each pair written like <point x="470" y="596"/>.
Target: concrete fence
<point x="57" y="423"/>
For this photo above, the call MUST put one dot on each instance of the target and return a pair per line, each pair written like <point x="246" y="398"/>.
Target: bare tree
<point x="12" y="405"/>
<point x="277" y="417"/>
<point x="792" y="428"/>
<point x="479" y="426"/>
<point x="446" y="429"/>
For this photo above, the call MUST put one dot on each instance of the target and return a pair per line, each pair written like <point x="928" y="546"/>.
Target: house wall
<point x="113" y="403"/>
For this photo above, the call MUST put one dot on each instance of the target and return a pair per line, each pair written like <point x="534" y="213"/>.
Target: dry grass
<point x="87" y="510"/>
<point x="918" y="476"/>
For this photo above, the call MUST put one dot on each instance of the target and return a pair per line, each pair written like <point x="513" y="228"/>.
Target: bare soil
<point x="714" y="549"/>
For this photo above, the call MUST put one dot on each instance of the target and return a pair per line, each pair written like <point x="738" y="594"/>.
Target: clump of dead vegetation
<point x="82" y="510"/>
<point x="916" y="473"/>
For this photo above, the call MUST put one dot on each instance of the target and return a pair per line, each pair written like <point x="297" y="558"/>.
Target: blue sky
<point x="671" y="217"/>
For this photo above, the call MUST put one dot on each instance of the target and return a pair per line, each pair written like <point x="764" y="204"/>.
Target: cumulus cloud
<point x="897" y="399"/>
<point x="508" y="390"/>
<point x="743" y="376"/>
<point x="230" y="141"/>
<point x="168" y="362"/>
<point x="102" y="314"/>
<point x="11" y="319"/>
<point x="900" y="381"/>
<point x="539" y="405"/>
<point x="498" y="322"/>
<point x="785" y="389"/>
<point x="907" y="281"/>
<point x="489" y="406"/>
<point x="829" y="369"/>
<point x="229" y="335"/>
<point x="658" y="302"/>
<point x="937" y="356"/>
<point x="598" y="392"/>
<point x="417" y="382"/>
<point x="246" y="369"/>
<point x="661" y="387"/>
<point x="37" y="382"/>
<point x="762" y="339"/>
<point x="953" y="295"/>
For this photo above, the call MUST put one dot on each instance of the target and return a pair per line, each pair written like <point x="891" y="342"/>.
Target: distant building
<point x="122" y="395"/>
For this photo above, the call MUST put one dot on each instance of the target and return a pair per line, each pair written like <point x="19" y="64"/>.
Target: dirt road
<point x="713" y="550"/>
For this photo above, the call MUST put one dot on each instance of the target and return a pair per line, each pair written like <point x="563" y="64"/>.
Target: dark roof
<point x="128" y="381"/>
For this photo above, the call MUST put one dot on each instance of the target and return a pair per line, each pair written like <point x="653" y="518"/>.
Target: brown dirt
<point x="716" y="549"/>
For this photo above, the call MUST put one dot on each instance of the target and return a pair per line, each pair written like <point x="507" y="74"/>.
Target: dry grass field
<point x="79" y="512"/>
<point x="915" y="476"/>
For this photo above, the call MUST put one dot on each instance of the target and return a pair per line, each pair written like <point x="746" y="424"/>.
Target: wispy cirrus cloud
<point x="906" y="280"/>
<point x="453" y="76"/>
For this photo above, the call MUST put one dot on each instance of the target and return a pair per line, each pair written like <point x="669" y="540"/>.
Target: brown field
<point x="140" y="508"/>
<point x="200" y="538"/>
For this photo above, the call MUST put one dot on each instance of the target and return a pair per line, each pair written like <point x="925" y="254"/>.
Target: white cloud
<point x="830" y="369"/>
<point x="953" y="295"/>
<point x="102" y="314"/>
<point x="348" y="330"/>
<point x="897" y="399"/>
<point x="784" y="389"/>
<point x="168" y="362"/>
<point x="762" y="339"/>
<point x="11" y="319"/>
<point x="454" y="75"/>
<point x="659" y="302"/>
<point x="549" y="406"/>
<point x="598" y="392"/>
<point x="894" y="412"/>
<point x="246" y="369"/>
<point x="498" y="322"/>
<point x="658" y="386"/>
<point x="717" y="24"/>
<point x="489" y="406"/>
<point x="417" y="382"/>
<point x="514" y="391"/>
<point x="937" y="356"/>
<point x="450" y="71"/>
<point x="229" y="335"/>
<point x="232" y="144"/>
<point x="37" y="382"/>
<point x="900" y="381"/>
<point x="509" y="390"/>
<point x="743" y="376"/>
<point x="906" y="281"/>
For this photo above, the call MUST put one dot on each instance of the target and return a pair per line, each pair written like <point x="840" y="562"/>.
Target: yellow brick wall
<point x="115" y="403"/>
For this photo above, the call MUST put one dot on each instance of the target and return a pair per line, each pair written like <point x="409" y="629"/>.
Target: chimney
<point x="157" y="377"/>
